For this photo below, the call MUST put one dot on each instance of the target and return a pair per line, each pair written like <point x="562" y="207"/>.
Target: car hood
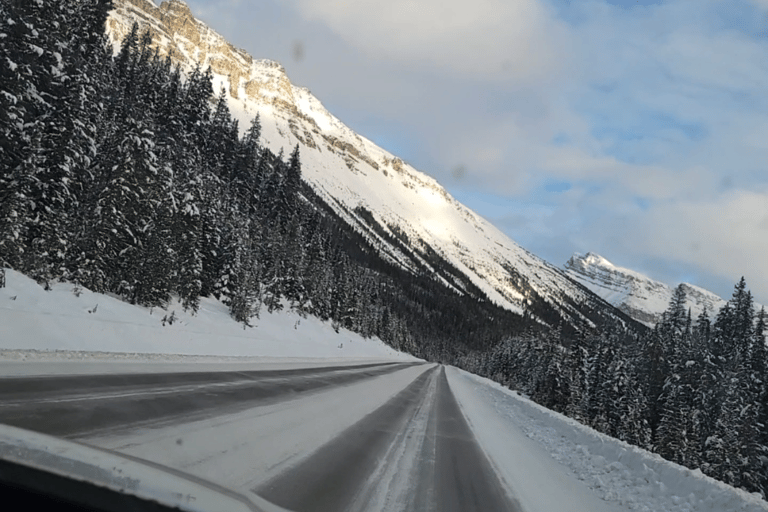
<point x="123" y="474"/>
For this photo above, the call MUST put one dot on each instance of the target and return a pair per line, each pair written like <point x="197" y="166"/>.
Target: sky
<point x="635" y="129"/>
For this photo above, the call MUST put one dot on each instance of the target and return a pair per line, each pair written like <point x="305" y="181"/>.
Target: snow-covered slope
<point x="638" y="295"/>
<point x="417" y="224"/>
<point x="72" y="323"/>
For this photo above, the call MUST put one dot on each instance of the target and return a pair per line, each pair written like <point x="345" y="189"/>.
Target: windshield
<point x="392" y="255"/>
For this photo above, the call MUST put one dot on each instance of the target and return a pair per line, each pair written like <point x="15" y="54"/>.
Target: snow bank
<point x="623" y="475"/>
<point x="66" y="323"/>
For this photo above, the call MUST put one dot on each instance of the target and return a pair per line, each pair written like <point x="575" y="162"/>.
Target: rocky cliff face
<point x="374" y="191"/>
<point x="189" y="42"/>
<point x="639" y="296"/>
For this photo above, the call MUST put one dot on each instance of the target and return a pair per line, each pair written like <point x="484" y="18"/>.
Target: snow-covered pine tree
<point x="628" y="408"/>
<point x="750" y="370"/>
<point x="578" y="370"/>
<point x="293" y="178"/>
<point x="599" y="400"/>
<point x="654" y="371"/>
<point x="677" y="420"/>
<point x="53" y="71"/>
<point x="761" y="452"/>
<point x="728" y="446"/>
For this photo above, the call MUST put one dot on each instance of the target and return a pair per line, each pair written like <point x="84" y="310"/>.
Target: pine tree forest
<point x="125" y="175"/>
<point x="695" y="391"/>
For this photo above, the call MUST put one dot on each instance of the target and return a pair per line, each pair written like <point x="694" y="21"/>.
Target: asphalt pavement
<point x="80" y="406"/>
<point x="415" y="452"/>
<point x="452" y="473"/>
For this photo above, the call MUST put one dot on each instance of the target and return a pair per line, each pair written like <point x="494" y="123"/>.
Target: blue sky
<point x="634" y="129"/>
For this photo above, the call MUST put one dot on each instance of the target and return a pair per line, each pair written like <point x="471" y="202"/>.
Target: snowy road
<point x="374" y="436"/>
<point x="400" y="442"/>
<point x="87" y="405"/>
<point x="415" y="452"/>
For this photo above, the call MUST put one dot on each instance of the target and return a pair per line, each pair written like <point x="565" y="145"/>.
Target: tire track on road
<point x="416" y="452"/>
<point x="464" y="479"/>
<point x="54" y="385"/>
<point x="332" y="477"/>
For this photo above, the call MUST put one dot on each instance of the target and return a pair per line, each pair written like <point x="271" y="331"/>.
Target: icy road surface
<point x="359" y="436"/>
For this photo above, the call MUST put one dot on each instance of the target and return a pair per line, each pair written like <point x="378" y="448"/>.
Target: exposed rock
<point x="637" y="295"/>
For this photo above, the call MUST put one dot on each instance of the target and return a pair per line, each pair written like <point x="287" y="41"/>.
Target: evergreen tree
<point x="761" y="372"/>
<point x="578" y="370"/>
<point x="676" y="419"/>
<point x="730" y="451"/>
<point x="293" y="177"/>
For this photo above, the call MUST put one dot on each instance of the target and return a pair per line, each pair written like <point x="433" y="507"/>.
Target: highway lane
<point x="87" y="405"/>
<point x="333" y="476"/>
<point x="376" y="465"/>
<point x="464" y="478"/>
<point x="352" y="438"/>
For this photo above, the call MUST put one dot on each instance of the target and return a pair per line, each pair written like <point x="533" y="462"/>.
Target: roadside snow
<point x="534" y="447"/>
<point x="61" y="325"/>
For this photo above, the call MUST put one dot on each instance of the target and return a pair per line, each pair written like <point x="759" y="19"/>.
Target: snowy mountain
<point x="638" y="295"/>
<point x="413" y="221"/>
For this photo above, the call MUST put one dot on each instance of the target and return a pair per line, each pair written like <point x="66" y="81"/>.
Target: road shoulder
<point x="532" y="476"/>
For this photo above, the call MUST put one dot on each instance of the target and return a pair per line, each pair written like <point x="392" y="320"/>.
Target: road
<point x="379" y="436"/>
<point x="86" y="405"/>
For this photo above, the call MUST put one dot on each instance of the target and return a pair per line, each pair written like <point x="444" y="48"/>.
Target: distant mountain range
<point x="637" y="295"/>
<point x="407" y="215"/>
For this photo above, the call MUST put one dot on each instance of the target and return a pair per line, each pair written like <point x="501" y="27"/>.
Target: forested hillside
<point x="122" y="174"/>
<point x="125" y="176"/>
<point x="692" y="390"/>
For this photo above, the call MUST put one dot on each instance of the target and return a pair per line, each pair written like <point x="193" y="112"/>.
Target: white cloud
<point x="673" y="97"/>
<point x="727" y="237"/>
<point x="515" y="40"/>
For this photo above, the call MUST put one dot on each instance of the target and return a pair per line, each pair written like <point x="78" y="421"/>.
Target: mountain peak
<point x="596" y="259"/>
<point x="591" y="259"/>
<point x="636" y="294"/>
